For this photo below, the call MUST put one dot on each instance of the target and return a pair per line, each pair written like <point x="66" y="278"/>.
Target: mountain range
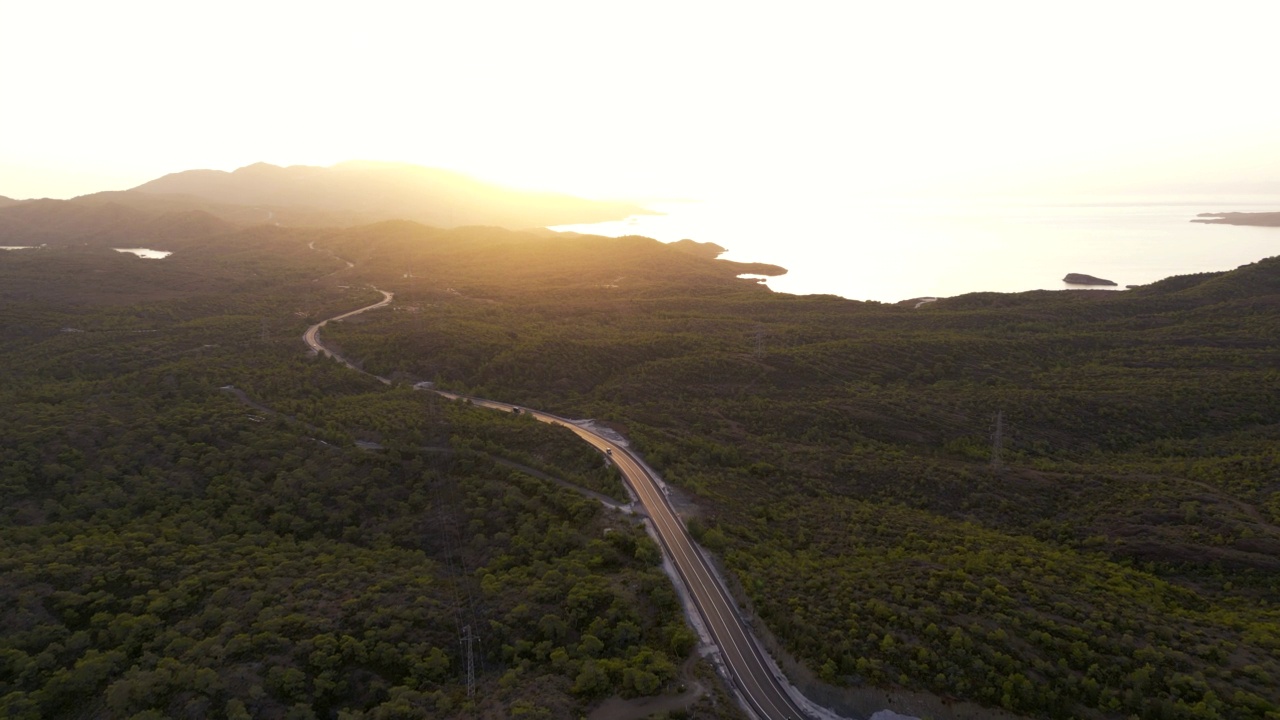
<point x="203" y="203"/>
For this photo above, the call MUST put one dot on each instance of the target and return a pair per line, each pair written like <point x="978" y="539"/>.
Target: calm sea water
<point x="894" y="250"/>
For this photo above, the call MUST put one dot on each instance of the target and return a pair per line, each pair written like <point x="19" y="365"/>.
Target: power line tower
<point x="467" y="639"/>
<point x="759" y="343"/>
<point x="997" y="442"/>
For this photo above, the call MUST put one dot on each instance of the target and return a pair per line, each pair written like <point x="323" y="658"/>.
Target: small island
<point x="1082" y="279"/>
<point x="1262" y="219"/>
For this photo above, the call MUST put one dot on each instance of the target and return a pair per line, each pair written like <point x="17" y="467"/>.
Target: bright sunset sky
<point x="648" y="99"/>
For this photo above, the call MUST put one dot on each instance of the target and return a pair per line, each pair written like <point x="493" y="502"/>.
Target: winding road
<point x="754" y="677"/>
<point x="312" y="336"/>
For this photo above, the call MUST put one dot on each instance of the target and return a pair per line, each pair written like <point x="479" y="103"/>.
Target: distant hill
<point x="204" y="203"/>
<point x="237" y="215"/>
<point x="361" y="192"/>
<point x="56" y="222"/>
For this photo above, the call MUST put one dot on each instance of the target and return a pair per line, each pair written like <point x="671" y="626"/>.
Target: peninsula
<point x="1262" y="219"/>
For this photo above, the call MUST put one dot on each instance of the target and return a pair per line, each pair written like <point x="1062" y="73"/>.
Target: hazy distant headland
<point x="1263" y="219"/>
<point x="373" y="191"/>
<point x="203" y="203"/>
<point x="701" y="249"/>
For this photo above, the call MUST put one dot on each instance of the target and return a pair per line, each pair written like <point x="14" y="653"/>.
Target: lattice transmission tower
<point x="467" y="639"/>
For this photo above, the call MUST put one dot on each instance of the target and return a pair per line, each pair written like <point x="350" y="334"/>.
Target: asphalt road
<point x="752" y="678"/>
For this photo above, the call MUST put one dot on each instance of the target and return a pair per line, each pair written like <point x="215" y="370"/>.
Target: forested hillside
<point x="199" y="520"/>
<point x="1065" y="504"/>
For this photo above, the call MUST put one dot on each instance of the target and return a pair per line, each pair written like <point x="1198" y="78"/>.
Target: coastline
<point x="887" y="252"/>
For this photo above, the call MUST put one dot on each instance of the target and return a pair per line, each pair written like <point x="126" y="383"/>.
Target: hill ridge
<point x="366" y="191"/>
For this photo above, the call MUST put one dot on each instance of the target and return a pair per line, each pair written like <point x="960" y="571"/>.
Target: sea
<point x="892" y="249"/>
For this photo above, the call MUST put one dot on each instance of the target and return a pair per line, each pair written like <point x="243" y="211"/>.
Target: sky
<point x="649" y="100"/>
